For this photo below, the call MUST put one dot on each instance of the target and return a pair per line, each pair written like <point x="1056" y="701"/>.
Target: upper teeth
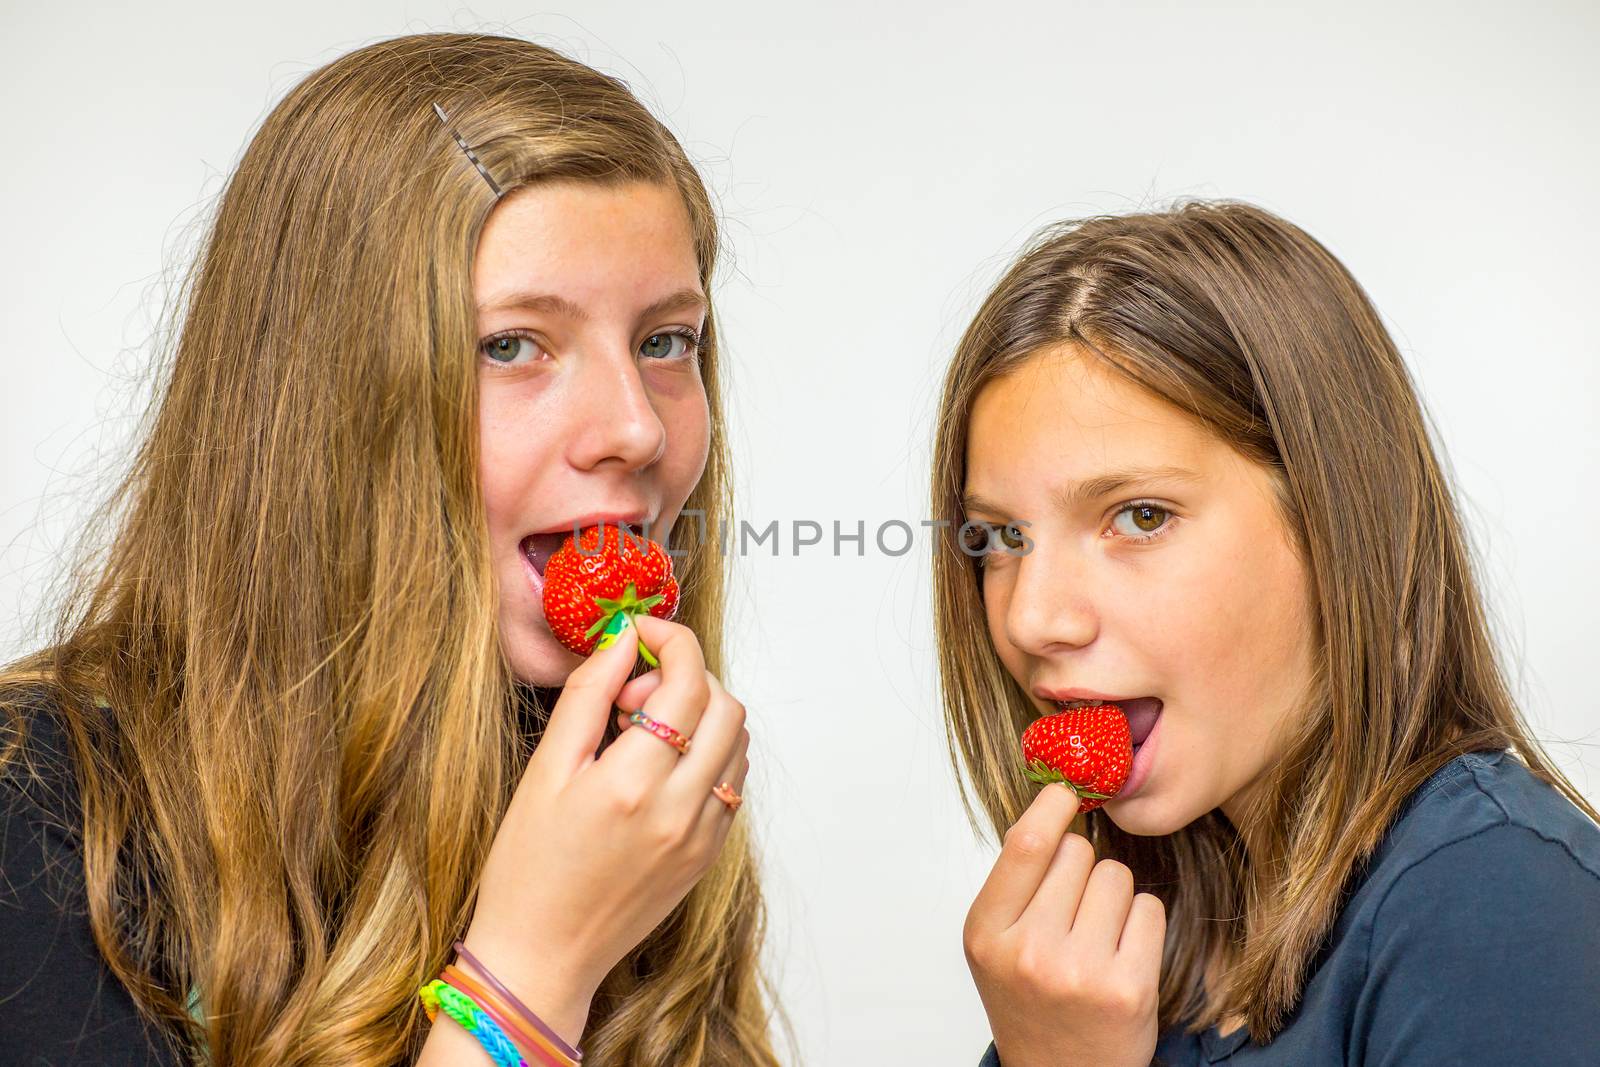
<point x="1070" y="704"/>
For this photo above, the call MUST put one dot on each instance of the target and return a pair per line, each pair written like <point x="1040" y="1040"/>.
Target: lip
<point x="608" y="518"/>
<point x="1061" y="696"/>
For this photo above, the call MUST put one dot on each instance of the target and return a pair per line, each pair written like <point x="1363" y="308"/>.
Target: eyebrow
<point x="682" y="300"/>
<point x="1070" y="496"/>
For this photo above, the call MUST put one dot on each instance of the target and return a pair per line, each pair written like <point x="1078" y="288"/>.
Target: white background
<point x="876" y="168"/>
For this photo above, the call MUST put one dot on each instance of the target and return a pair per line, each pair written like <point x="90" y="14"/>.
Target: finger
<point x="1025" y="855"/>
<point x="1056" y="903"/>
<point x="714" y="810"/>
<point x="578" y="721"/>
<point x="678" y="701"/>
<point x="638" y="690"/>
<point x="633" y="696"/>
<point x="1143" y="937"/>
<point x="721" y="728"/>
<point x="681" y="698"/>
<point x="1103" y="911"/>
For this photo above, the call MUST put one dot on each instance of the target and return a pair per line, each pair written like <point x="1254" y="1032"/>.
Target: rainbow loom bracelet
<point x="527" y="1013"/>
<point x="439" y="996"/>
<point x="532" y="1044"/>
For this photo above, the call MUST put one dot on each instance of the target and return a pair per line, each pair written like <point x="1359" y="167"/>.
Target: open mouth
<point x="1142" y="713"/>
<point x="540" y="547"/>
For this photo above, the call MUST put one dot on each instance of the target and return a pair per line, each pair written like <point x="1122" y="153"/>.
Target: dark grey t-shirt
<point x="1474" y="938"/>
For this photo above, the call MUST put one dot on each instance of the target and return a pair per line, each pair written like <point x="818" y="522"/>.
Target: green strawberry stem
<point x="648" y="658"/>
<point x="1045" y="774"/>
<point x="628" y="604"/>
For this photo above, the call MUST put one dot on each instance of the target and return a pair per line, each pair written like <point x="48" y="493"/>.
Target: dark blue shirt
<point x="59" y="1002"/>
<point x="1474" y="938"/>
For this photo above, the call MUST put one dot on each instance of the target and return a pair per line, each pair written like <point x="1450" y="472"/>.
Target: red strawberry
<point x="588" y="581"/>
<point x="1090" y="748"/>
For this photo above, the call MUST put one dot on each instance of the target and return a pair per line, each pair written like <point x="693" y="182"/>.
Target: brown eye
<point x="974" y="537"/>
<point x="1148" y="520"/>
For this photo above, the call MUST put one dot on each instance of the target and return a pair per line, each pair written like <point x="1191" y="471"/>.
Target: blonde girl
<point x="302" y="725"/>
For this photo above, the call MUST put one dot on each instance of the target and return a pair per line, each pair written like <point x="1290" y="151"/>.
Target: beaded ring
<point x="661" y="730"/>
<point x="440" y="996"/>
<point x="724" y="792"/>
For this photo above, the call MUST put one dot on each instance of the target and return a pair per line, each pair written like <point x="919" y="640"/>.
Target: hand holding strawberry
<point x="1065" y="955"/>
<point x="602" y="574"/>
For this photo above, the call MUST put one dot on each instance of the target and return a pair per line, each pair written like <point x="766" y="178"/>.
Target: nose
<point x="1052" y="602"/>
<point x="613" y="418"/>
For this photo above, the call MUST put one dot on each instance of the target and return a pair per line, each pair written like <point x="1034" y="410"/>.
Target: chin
<point x="539" y="659"/>
<point x="1144" y="816"/>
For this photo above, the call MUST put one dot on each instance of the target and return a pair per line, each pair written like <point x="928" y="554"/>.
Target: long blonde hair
<point x="313" y="732"/>
<point x="1254" y="329"/>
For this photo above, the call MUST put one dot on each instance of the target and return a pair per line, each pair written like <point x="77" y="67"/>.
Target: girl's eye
<point x="503" y="348"/>
<point x="670" y="345"/>
<point x="1150" y="520"/>
<point x="975" y="539"/>
<point x="985" y="539"/>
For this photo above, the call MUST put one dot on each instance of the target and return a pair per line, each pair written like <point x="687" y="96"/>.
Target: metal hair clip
<point x="437" y="110"/>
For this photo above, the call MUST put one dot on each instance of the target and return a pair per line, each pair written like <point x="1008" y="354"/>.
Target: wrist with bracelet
<point x="510" y="1032"/>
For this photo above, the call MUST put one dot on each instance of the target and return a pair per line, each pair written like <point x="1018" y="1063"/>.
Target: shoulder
<point x="63" y="1003"/>
<point x="1484" y="806"/>
<point x="37" y="775"/>
<point x="40" y="810"/>
<point x="1483" y="923"/>
<point x="1484" y="833"/>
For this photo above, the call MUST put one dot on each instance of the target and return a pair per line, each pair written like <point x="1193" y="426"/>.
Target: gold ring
<point x="724" y="792"/>
<point x="661" y="730"/>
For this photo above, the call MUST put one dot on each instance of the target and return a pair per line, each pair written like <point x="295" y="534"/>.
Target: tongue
<point x="1141" y="715"/>
<point x="540" y="547"/>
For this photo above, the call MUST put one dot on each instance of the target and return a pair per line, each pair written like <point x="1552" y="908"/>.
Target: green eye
<point x="503" y="349"/>
<point x="670" y="345"/>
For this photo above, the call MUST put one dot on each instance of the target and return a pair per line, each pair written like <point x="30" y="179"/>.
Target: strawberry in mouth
<point x="1089" y="745"/>
<point x="1141" y="713"/>
<point x="605" y="572"/>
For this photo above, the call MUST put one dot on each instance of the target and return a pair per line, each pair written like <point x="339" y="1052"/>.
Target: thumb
<point x="578" y="721"/>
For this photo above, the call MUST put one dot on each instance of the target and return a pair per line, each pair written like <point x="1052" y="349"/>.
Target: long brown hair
<point x="1251" y="327"/>
<point x="288" y="603"/>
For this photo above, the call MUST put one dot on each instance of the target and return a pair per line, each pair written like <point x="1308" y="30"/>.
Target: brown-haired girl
<point x="303" y="737"/>
<point x="1195" y="479"/>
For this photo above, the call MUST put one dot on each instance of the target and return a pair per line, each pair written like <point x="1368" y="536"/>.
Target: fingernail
<point x="613" y="631"/>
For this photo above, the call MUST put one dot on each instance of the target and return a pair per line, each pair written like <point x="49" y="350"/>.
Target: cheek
<point x="1231" y="626"/>
<point x="996" y="603"/>
<point x="495" y="474"/>
<point x="511" y="455"/>
<point x="686" y="416"/>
